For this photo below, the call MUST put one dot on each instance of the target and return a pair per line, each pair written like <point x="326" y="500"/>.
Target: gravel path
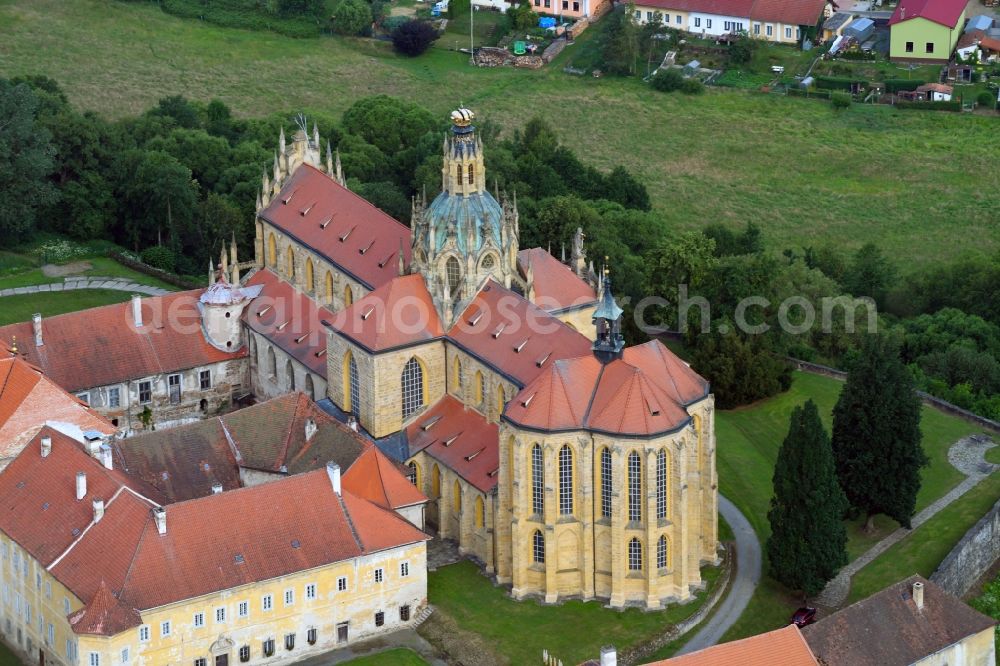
<point x="965" y="455"/>
<point x="743" y="585"/>
<point x="71" y="283"/>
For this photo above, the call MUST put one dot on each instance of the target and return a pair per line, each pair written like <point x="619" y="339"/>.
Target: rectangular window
<point x="342" y="629"/>
<point x="114" y="397"/>
<point x="145" y="393"/>
<point x="341" y="584"/>
<point x="66" y="605"/>
<point x="404" y="613"/>
<point x="798" y="33"/>
<point x="311" y="591"/>
<point x="95" y="659"/>
<point x="548" y="3"/>
<point x="200" y="661"/>
<point x="38" y="581"/>
<point x="638" y="15"/>
<point x="48" y="589"/>
<point x="565" y="4"/>
<point x="311" y="636"/>
<point x="289" y="641"/>
<point x="404" y="569"/>
<point x="243" y="609"/>
<point x="165" y="628"/>
<point x="143" y="634"/>
<point x="205" y="379"/>
<point x="51" y="636"/>
<point x="678" y="19"/>
<point x="378" y="575"/>
<point x="697" y="22"/>
<point x="268" y="647"/>
<point x="379" y="619"/>
<point x="788" y="33"/>
<point x="649" y="16"/>
<point x="245" y="653"/>
<point x="756" y="28"/>
<point x="289" y="597"/>
<point x="85" y="397"/>
<point x="909" y="47"/>
<point x="220" y="614"/>
<point x="538" y="2"/>
<point x="174" y="389"/>
<point x="929" y="47"/>
<point x="725" y="26"/>
<point x="576" y="6"/>
<point x="125" y="655"/>
<point x="267" y="602"/>
<point x="199" y="619"/>
<point x="708" y="23"/>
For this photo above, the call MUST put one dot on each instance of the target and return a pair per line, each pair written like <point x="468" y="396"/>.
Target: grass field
<point x="517" y="632"/>
<point x="397" y="657"/>
<point x="99" y="266"/>
<point x="748" y="442"/>
<point x="804" y="173"/>
<point x="20" y="308"/>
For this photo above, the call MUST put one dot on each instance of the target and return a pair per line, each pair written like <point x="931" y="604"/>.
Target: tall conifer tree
<point x="876" y="434"/>
<point x="808" y="540"/>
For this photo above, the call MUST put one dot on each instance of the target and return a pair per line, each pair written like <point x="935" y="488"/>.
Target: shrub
<point x="692" y="87"/>
<point x="840" y="100"/>
<point x="159" y="257"/>
<point x="986" y="98"/>
<point x="895" y="85"/>
<point x="413" y="37"/>
<point x="667" y="80"/>
<point x="352" y="17"/>
<point x="833" y="83"/>
<point x="929" y="106"/>
<point x="741" y="51"/>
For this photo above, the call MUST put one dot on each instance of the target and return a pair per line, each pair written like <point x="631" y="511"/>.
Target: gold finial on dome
<point x="462" y="117"/>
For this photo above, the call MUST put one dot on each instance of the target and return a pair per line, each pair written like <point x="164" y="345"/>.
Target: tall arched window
<point x="479" y="512"/>
<point x="436" y="481"/>
<point x="605" y="483"/>
<point x="537" y="479"/>
<point x="457" y="496"/>
<point x="458" y="172"/>
<point x="538" y="547"/>
<point x="290" y="374"/>
<point x="479" y="388"/>
<point x="310" y="388"/>
<point x="634" y="555"/>
<point x="290" y="262"/>
<point x="454" y="273"/>
<point x="501" y="398"/>
<point x="566" y="480"/>
<point x="329" y="287"/>
<point x="634" y="487"/>
<point x="310" y="285"/>
<point x="456" y="375"/>
<point x="661" y="484"/>
<point x="352" y="387"/>
<point x="348" y="296"/>
<point x="662" y="553"/>
<point x="472" y="174"/>
<point x="696" y="421"/>
<point x="272" y="363"/>
<point x="412" y="384"/>
<point x="414" y="474"/>
<point x="272" y="251"/>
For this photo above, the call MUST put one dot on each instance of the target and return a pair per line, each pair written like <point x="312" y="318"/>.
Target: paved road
<point x="71" y="283"/>
<point x="742" y="586"/>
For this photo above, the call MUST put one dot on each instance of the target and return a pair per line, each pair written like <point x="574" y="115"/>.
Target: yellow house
<point x="95" y="571"/>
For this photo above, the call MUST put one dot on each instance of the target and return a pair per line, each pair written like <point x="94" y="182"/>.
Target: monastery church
<point x="568" y="465"/>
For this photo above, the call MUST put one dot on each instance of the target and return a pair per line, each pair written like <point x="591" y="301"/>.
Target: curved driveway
<point x="742" y="586"/>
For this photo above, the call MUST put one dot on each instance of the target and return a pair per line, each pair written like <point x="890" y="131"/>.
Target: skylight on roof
<point x="305" y="211"/>
<point x="264" y="310"/>
<point x="325" y="223"/>
<point x="301" y="338"/>
<point x="385" y="261"/>
<point x="238" y="559"/>
<point x="474" y="319"/>
<point x="430" y="423"/>
<point x="367" y="313"/>
<point x="321" y="352"/>
<point x="518" y="348"/>
<point x="496" y="333"/>
<point x="528" y="400"/>
<point x="346" y="234"/>
<point x="295" y="543"/>
<point x="366" y="247"/>
<point x="448" y="442"/>
<point x="289" y="197"/>
<point x="469" y="457"/>
<point x="282" y="326"/>
<point x="540" y="362"/>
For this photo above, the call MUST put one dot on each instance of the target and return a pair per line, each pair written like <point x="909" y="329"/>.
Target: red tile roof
<point x="460" y="438"/>
<point x="396" y="314"/>
<point x="644" y="393"/>
<point x="888" y="628"/>
<point x="557" y="288"/>
<point x="943" y="12"/>
<point x="341" y="226"/>
<point x="100" y="346"/>
<point x="794" y="12"/>
<point x="514" y="336"/>
<point x="781" y="647"/>
<point x="736" y="8"/>
<point x="105" y="615"/>
<point x="290" y="319"/>
<point x="17" y="380"/>
<point x="376" y="478"/>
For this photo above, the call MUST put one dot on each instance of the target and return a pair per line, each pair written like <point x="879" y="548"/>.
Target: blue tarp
<point x="980" y="22"/>
<point x="546" y="22"/>
<point x="860" y="29"/>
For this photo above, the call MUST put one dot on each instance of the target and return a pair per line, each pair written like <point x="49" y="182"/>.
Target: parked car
<point x="804" y="616"/>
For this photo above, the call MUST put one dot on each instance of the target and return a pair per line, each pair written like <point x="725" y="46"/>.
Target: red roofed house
<point x="782" y="21"/>
<point x="106" y="571"/>
<point x="925" y="30"/>
<point x="781" y="647"/>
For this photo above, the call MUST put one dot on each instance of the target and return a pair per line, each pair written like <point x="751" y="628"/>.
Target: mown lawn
<point x="517" y="632"/>
<point x="748" y="443"/>
<point x="397" y="657"/>
<point x="25" y="275"/>
<point x="805" y="174"/>
<point x="14" y="309"/>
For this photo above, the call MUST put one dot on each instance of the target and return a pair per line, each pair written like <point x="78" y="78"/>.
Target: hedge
<point x="798" y="92"/>
<point x="895" y="85"/>
<point x="929" y="106"/>
<point x="242" y="14"/>
<point x="835" y="83"/>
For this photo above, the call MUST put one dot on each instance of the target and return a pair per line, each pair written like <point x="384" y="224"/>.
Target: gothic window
<point x="290" y="372"/>
<point x="537" y="478"/>
<point x="634" y="555"/>
<point x="348" y="296"/>
<point x="488" y="262"/>
<point x="457" y="496"/>
<point x="329" y="287"/>
<point x="436" y="481"/>
<point x="355" y="386"/>
<point x="310" y="285"/>
<point x="272" y="251"/>
<point x="454" y="273"/>
<point x="661" y="484"/>
<point x="456" y="375"/>
<point x="414" y="474"/>
<point x="458" y="170"/>
<point x="662" y="553"/>
<point x="412" y="382"/>
<point x="290" y="260"/>
<point x="501" y="398"/>
<point x="634" y="487"/>
<point x="538" y="547"/>
<point x="479" y="512"/>
<point x="566" y="480"/>
<point x="472" y="174"/>
<point x="272" y="362"/>
<point x="605" y="483"/>
<point x="479" y="388"/>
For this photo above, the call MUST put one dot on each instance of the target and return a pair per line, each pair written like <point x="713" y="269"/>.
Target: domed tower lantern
<point x="609" y="344"/>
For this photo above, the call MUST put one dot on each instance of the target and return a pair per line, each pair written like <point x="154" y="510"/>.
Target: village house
<point x="98" y="568"/>
<point x="925" y="30"/>
<point x="770" y="20"/>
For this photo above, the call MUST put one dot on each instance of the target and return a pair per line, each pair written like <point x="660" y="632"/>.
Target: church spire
<point x="609" y="344"/>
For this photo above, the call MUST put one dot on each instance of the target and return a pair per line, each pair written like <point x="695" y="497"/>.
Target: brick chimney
<point x="333" y="471"/>
<point x="46" y="446"/>
<point x="918" y="595"/>
<point x="137" y="310"/>
<point x="81" y="485"/>
<point x="98" y="510"/>
<point x="216" y="488"/>
<point x="36" y="324"/>
<point x="160" y="516"/>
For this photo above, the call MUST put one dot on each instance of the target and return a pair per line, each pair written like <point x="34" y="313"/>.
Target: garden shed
<point x="860" y="30"/>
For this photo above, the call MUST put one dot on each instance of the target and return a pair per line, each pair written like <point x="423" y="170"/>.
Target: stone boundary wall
<point x="146" y="269"/>
<point x="972" y="557"/>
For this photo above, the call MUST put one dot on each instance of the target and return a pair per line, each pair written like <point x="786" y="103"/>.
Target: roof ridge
<point x="298" y="398"/>
<point x="593" y="396"/>
<point x="126" y="579"/>
<point x="350" y="521"/>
